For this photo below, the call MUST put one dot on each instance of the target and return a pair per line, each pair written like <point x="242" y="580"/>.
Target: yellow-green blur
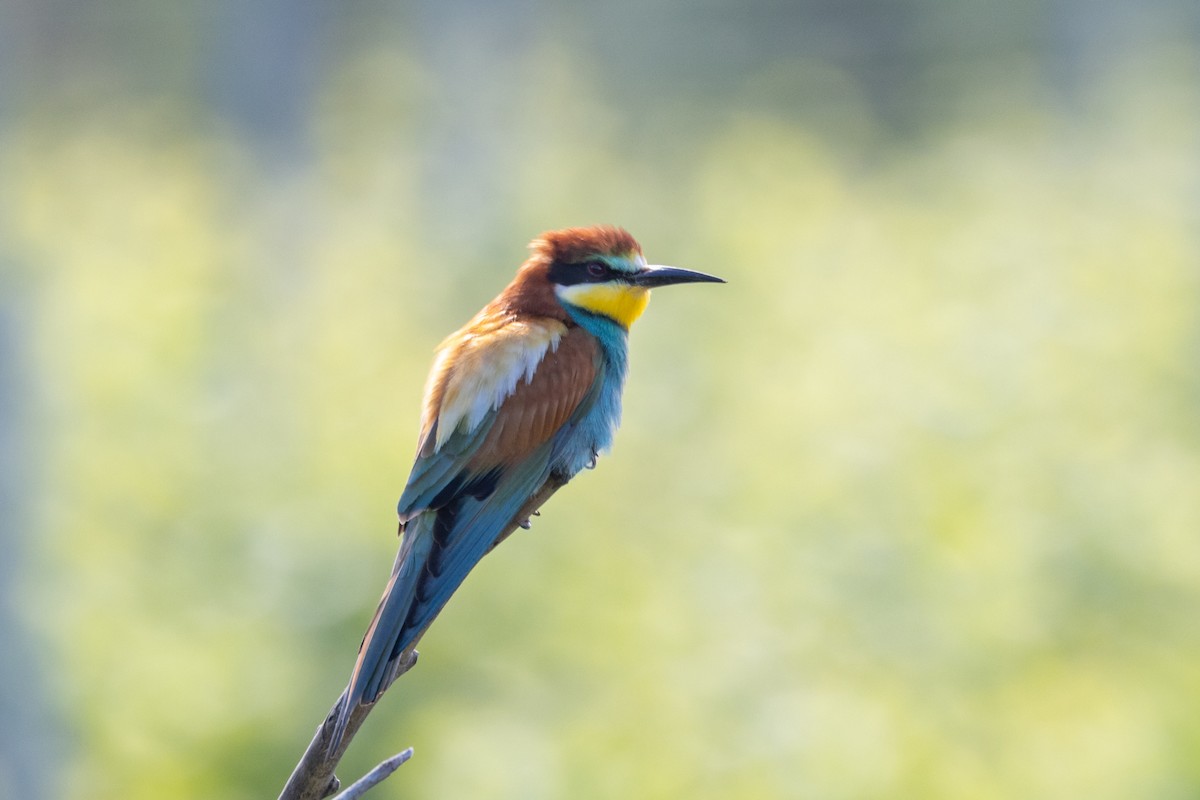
<point x="908" y="509"/>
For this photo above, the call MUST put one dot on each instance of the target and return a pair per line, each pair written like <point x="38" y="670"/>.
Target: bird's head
<point x="600" y="270"/>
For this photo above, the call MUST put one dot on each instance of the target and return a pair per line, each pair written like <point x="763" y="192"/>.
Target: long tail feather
<point x="379" y="661"/>
<point x="440" y="547"/>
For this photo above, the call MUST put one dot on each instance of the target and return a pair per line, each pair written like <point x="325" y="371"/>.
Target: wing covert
<point x="542" y="399"/>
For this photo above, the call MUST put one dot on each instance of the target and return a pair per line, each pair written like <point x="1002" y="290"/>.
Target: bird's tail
<point x="439" y="548"/>
<point x="387" y="650"/>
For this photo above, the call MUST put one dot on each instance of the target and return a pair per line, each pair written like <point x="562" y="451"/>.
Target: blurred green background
<point x="908" y="509"/>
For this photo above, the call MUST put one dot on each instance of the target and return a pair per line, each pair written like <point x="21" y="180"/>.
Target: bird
<point x="519" y="400"/>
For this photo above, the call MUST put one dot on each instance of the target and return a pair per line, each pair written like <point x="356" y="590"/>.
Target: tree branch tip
<point x="375" y="776"/>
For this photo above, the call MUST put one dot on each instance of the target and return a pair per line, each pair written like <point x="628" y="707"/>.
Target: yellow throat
<point x="617" y="301"/>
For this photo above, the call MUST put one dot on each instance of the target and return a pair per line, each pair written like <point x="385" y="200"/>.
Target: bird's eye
<point x="596" y="269"/>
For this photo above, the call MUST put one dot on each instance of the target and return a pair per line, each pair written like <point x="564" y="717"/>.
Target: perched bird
<point x="519" y="400"/>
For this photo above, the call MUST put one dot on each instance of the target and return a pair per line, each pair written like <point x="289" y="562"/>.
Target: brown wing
<point x="540" y="406"/>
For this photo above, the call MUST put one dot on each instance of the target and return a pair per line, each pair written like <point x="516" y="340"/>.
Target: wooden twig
<point x="375" y="776"/>
<point x="313" y="777"/>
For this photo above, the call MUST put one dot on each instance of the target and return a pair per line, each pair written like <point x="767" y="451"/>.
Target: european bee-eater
<point x="519" y="400"/>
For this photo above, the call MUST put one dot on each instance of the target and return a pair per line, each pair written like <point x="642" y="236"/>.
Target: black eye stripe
<point x="590" y="271"/>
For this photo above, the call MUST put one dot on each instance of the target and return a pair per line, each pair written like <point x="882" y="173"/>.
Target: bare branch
<point x="375" y="776"/>
<point x="313" y="777"/>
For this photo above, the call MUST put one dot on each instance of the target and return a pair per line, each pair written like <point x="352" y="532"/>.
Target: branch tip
<point x="375" y="776"/>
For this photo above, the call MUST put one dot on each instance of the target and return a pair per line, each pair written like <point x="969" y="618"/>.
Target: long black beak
<point x="653" y="276"/>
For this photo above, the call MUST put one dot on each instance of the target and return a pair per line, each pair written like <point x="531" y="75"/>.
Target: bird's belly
<point x="591" y="436"/>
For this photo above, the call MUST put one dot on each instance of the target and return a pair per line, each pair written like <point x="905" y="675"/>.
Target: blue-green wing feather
<point x="434" y="474"/>
<point x="469" y="535"/>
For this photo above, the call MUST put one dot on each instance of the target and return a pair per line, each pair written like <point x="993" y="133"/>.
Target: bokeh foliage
<point x="909" y="508"/>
